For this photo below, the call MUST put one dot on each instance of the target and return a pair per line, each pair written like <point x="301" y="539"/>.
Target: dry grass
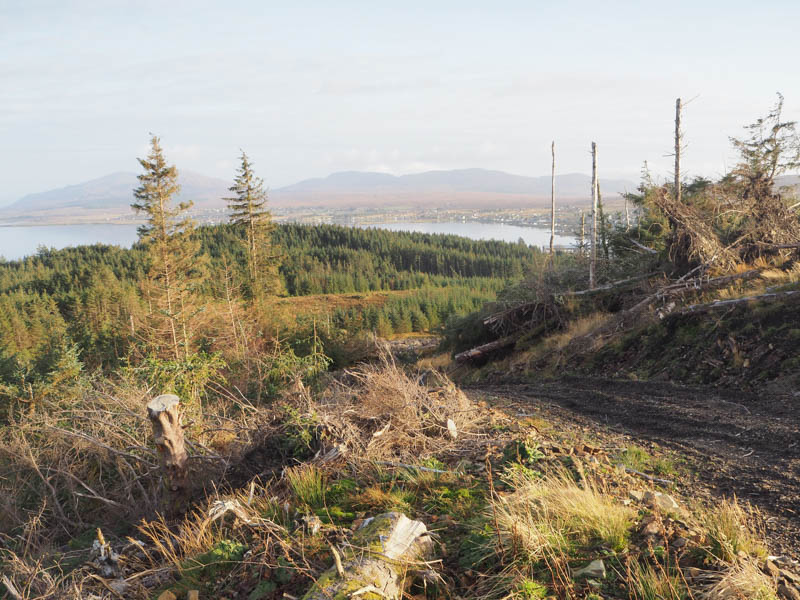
<point x="733" y="531"/>
<point x="438" y="362"/>
<point x="558" y="342"/>
<point x="70" y="466"/>
<point x="742" y="581"/>
<point x="92" y="462"/>
<point x="655" y="583"/>
<point x="551" y="515"/>
<point x="381" y="413"/>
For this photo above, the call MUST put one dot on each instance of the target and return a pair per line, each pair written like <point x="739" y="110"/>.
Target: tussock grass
<point x="742" y="581"/>
<point x="732" y="531"/>
<point x="307" y="483"/>
<point x="554" y="514"/>
<point x="655" y="583"/>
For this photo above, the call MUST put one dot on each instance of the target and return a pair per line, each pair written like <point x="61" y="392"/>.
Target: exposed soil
<point x="735" y="443"/>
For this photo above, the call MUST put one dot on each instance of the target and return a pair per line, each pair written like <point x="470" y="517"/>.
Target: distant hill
<point x="790" y="181"/>
<point x="108" y="198"/>
<point x="463" y="187"/>
<point x="111" y="196"/>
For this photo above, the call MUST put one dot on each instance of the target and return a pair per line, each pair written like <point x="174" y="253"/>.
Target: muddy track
<point x="735" y="442"/>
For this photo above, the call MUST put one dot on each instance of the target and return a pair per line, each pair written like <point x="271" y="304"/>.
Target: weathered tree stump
<point x="165" y="414"/>
<point x="374" y="564"/>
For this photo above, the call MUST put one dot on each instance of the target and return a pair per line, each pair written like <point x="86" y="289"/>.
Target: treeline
<point x="331" y="259"/>
<point x="84" y="306"/>
<point x="424" y="310"/>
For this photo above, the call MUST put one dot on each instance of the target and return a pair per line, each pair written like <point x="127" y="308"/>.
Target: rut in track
<point x="735" y="443"/>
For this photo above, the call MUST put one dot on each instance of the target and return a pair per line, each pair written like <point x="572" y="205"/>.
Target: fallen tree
<point x="638" y="292"/>
<point x="486" y="349"/>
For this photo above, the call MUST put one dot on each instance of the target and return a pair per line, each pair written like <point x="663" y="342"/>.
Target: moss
<point x="340" y="490"/>
<point x="335" y="515"/>
<point x="459" y="503"/>
<point x="528" y="589"/>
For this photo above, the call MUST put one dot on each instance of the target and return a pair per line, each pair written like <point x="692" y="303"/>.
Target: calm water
<point x="532" y="236"/>
<point x="17" y="242"/>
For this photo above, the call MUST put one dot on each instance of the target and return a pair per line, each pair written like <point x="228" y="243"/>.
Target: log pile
<point x="647" y="297"/>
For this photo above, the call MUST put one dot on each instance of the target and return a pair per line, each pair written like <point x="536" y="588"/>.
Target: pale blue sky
<point x="400" y="87"/>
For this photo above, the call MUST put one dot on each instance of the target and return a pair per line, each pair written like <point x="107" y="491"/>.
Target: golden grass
<point x="559" y="341"/>
<point x="742" y="581"/>
<point x="548" y="516"/>
<point x="655" y="583"/>
<point x="732" y="531"/>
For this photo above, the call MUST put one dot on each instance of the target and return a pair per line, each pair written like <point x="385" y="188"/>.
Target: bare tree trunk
<point x="165" y="415"/>
<point x="593" y="250"/>
<point x="374" y="564"/>
<point x="627" y="214"/>
<point x="553" y="198"/>
<point x="583" y="234"/>
<point x="678" y="150"/>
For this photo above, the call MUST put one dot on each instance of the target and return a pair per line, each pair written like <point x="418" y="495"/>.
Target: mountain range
<point x="109" y="197"/>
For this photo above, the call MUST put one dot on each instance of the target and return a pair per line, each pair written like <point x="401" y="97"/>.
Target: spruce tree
<point x="175" y="267"/>
<point x="248" y="209"/>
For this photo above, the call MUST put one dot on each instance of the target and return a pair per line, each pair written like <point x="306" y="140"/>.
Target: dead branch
<point x="646" y="476"/>
<point x="698" y="308"/>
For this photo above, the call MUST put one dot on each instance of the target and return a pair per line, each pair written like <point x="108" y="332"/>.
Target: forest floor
<point x="722" y="443"/>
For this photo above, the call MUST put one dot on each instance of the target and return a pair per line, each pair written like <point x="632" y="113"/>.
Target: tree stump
<point x="373" y="566"/>
<point x="165" y="414"/>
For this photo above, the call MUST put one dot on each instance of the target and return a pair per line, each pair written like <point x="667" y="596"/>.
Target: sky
<point x="309" y="88"/>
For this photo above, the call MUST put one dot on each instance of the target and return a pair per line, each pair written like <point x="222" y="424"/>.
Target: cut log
<point x="481" y="351"/>
<point x="165" y="415"/>
<point x="375" y="563"/>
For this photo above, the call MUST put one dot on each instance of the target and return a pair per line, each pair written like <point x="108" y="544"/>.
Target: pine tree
<point x="175" y="266"/>
<point x="248" y="208"/>
<point x="772" y="148"/>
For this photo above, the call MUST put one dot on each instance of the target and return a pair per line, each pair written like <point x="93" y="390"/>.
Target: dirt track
<point x="735" y="443"/>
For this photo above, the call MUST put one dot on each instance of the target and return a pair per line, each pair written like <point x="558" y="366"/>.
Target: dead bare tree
<point x="627" y="213"/>
<point x="583" y="234"/>
<point x="593" y="249"/>
<point x="678" y="136"/>
<point x="553" y="198"/>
